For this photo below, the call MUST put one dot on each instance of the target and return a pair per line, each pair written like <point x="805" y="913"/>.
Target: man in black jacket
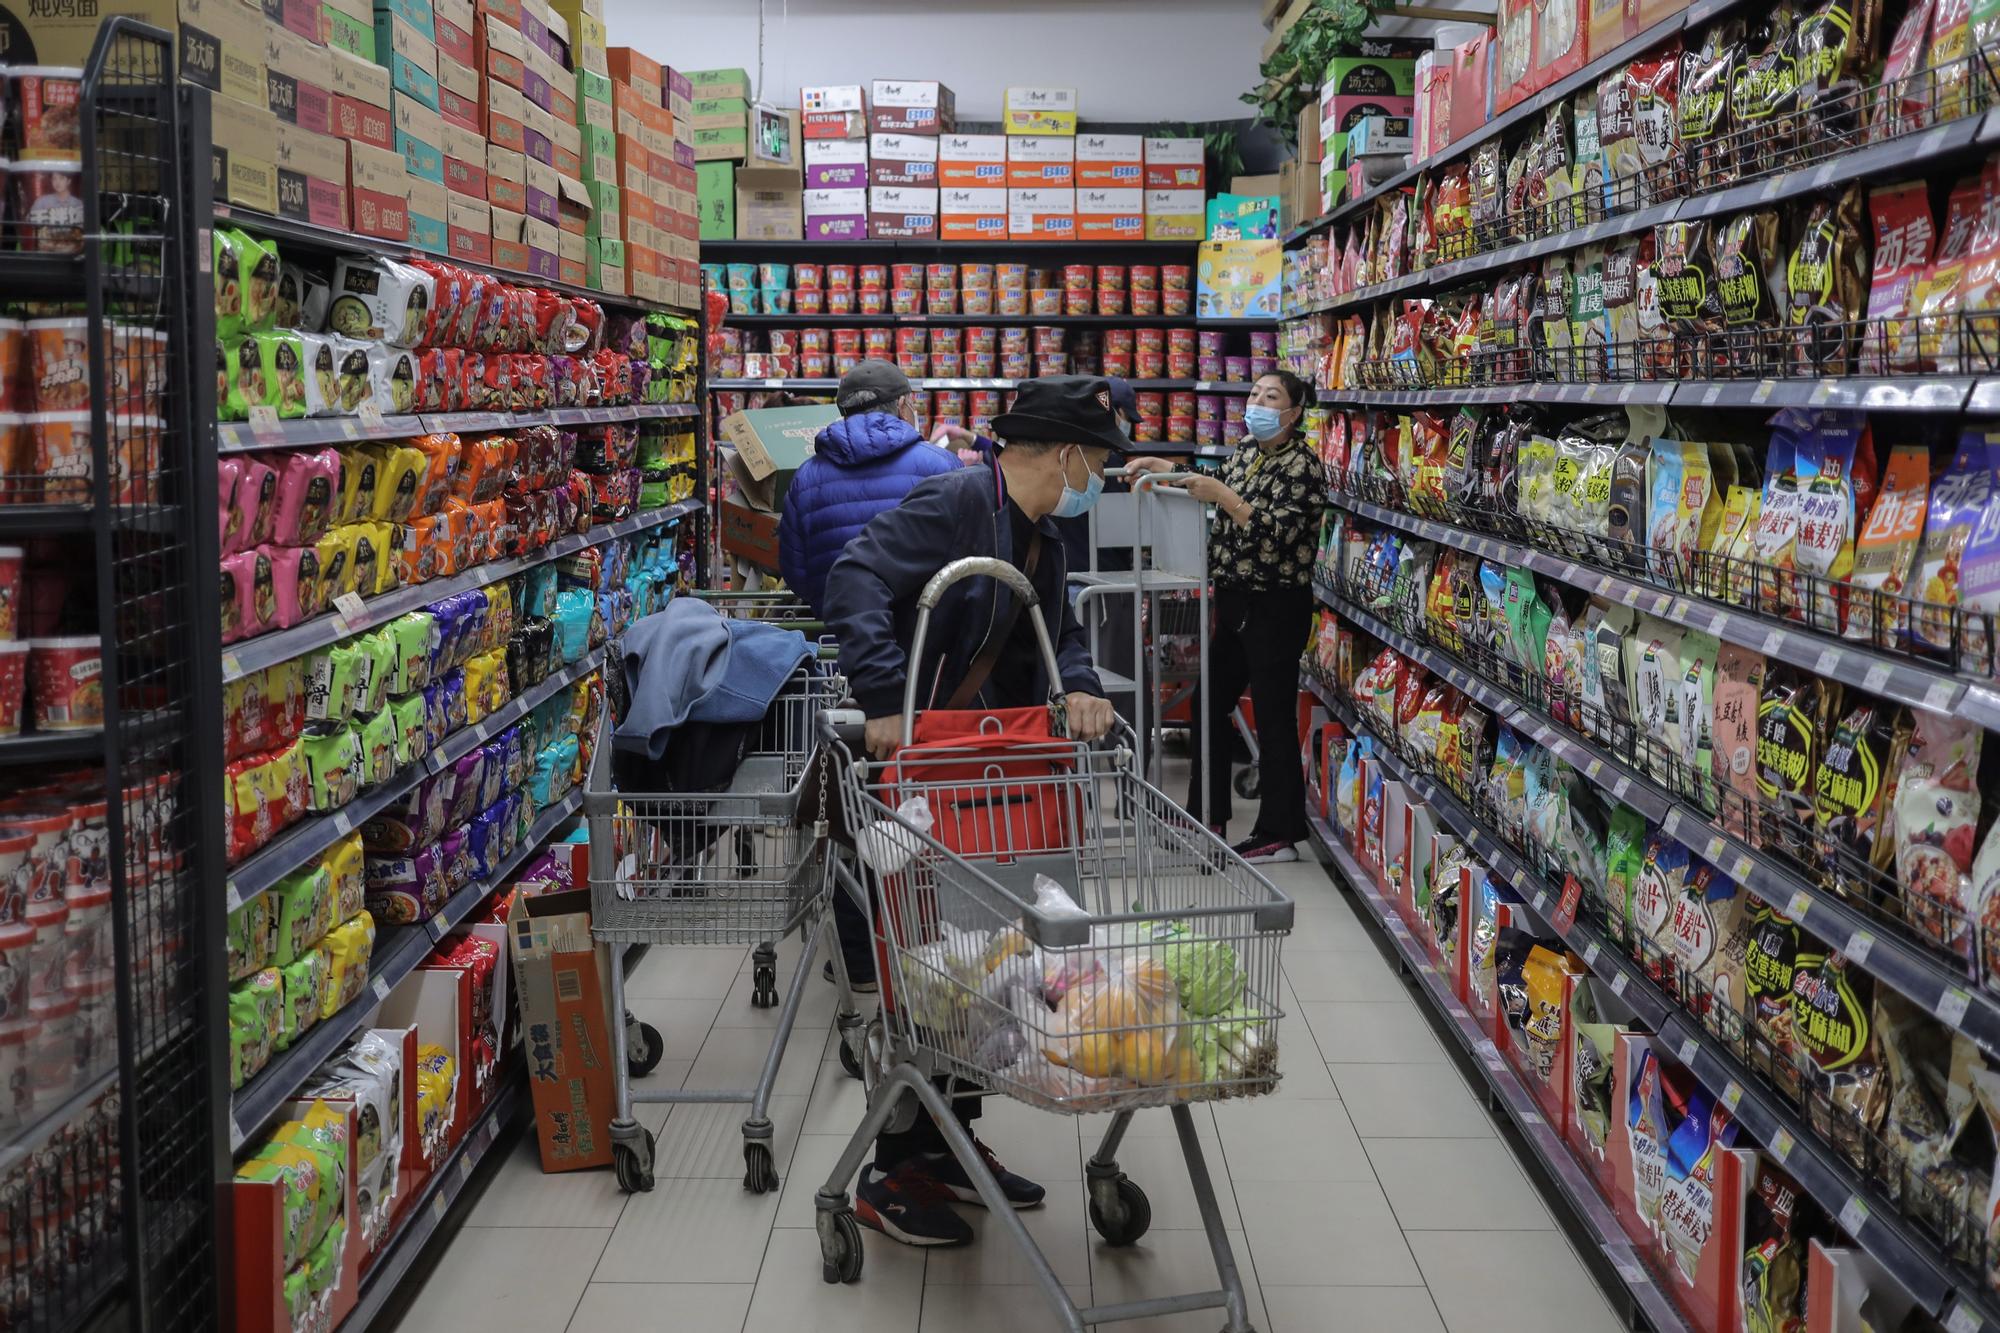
<point x="979" y="652"/>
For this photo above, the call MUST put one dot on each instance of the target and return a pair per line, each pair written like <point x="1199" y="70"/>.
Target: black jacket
<point x="872" y="590"/>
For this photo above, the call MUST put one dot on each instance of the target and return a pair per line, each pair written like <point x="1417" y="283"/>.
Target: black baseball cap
<point x="1064" y="409"/>
<point x="872" y="384"/>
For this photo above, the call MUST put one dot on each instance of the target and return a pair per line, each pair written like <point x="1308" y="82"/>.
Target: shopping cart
<point x="1155" y="983"/>
<point x="727" y="868"/>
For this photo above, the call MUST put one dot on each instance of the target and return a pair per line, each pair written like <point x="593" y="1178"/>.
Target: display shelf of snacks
<point x="1689" y="1026"/>
<point x="1085" y="321"/>
<point x="245" y="436"/>
<point x="738" y="250"/>
<point x="1940" y="393"/>
<point x="331" y="241"/>
<point x="397" y="953"/>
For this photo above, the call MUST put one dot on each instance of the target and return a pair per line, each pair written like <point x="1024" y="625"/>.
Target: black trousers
<point x="1256" y="643"/>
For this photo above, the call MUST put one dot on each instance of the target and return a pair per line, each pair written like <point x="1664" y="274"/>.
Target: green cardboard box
<point x="1370" y="76"/>
<point x="719" y="113"/>
<point x="605" y="212"/>
<point x="715" y="184"/>
<point x="722" y="145"/>
<point x="599" y="153"/>
<point x="771" y="444"/>
<point x="348" y="32"/>
<point x="592" y="85"/>
<point x="719" y="83"/>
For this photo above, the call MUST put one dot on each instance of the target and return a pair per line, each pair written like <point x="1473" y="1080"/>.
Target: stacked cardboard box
<point x="833" y="122"/>
<point x="1110" y="187"/>
<point x="972" y="187"/>
<point x="1176" y="190"/>
<point x="906" y="118"/>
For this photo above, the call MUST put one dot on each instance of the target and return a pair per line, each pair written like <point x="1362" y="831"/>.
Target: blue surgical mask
<point x="1266" y="423"/>
<point x="1075" y="503"/>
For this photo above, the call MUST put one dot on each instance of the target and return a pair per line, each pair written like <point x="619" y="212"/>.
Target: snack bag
<point x="1841" y="487"/>
<point x="1852" y="783"/>
<point x="1828" y="284"/>
<point x="1770" y="958"/>
<point x="1937" y="295"/>
<point x="1958" y="500"/>
<point x="1738" y="696"/>
<point x="1903" y="238"/>
<point x="1793" y="721"/>
<point x="1936" y="807"/>
<point x="381" y="300"/>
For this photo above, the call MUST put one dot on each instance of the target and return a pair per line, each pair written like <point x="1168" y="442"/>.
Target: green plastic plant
<point x="1293" y="73"/>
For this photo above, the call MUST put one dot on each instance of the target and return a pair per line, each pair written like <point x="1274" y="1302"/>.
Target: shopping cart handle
<point x="848" y="725"/>
<point x="973" y="566"/>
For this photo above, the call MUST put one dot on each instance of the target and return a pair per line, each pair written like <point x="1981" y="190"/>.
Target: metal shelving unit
<point x="1064" y="321"/>
<point x="827" y="385"/>
<point x="305" y="432"/>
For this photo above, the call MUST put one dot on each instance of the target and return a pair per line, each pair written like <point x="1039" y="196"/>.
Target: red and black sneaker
<point x="1021" y="1192"/>
<point x="1265" y="851"/>
<point x="910" y="1204"/>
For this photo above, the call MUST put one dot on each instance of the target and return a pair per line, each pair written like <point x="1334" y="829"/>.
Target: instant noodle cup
<point x="1262" y="343"/>
<point x="947" y="339"/>
<point x="1077" y="277"/>
<point x="976" y="301"/>
<point x="49" y="915"/>
<point x="1046" y="301"/>
<point x="1077" y="302"/>
<point x="1236" y="368"/>
<point x="1143" y="301"/>
<point x="1048" y="339"/>
<point x="1180" y="430"/>
<point x="1010" y="277"/>
<point x="878" y="342"/>
<point x="806" y="277"/>
<point x="814" y="340"/>
<point x="1011" y="301"/>
<point x="1181" y="340"/>
<point x="87" y="933"/>
<point x="742" y="277"/>
<point x="135" y="457"/>
<point x="980" y="364"/>
<point x="1208" y="366"/>
<point x="54" y="1055"/>
<point x="1207" y="431"/>
<point x="912" y="340"/>
<point x="46" y="102"/>
<point x="66" y="677"/>
<point x="13" y="684"/>
<point x="910" y="276"/>
<point x="1176" y="302"/>
<point x="1118" y="340"/>
<point x="1180" y="365"/>
<point x="1208" y="407"/>
<point x="96" y="1022"/>
<point x="846" y="342"/>
<point x="1181" y="403"/>
<point x="871" y="277"/>
<point x="10" y="591"/>
<point x="1057" y="364"/>
<point x="809" y="302"/>
<point x="16" y="391"/>
<point x="771" y="275"/>
<point x="981" y="338"/>
<point x="975" y="277"/>
<point x="776" y="300"/>
<point x="1110" y="300"/>
<point x="941" y="277"/>
<point x="1176" y="278"/>
<point x="138" y="358"/>
<point x="946" y="365"/>
<point x="815" y="365"/>
<point x="742" y="301"/>
<point x="840" y="277"/>
<point x="906" y="301"/>
<point x="872" y="301"/>
<point x="61" y="460"/>
<point x="1262" y="365"/>
<point x="58" y="363"/>
<point x="18" y="1042"/>
<point x="47" y="206"/>
<point x="914" y="364"/>
<point x="1118" y="363"/>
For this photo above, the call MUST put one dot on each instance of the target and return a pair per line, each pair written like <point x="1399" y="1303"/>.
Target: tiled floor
<point x="1370" y="1194"/>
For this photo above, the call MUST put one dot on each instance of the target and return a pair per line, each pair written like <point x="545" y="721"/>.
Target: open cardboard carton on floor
<point x="560" y="972"/>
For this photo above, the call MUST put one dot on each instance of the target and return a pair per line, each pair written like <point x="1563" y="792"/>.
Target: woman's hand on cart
<point x="882" y="735"/>
<point x="1090" y="717"/>
<point x="1147" y="463"/>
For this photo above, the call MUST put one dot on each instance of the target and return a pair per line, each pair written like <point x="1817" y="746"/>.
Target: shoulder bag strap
<point x="996" y="642"/>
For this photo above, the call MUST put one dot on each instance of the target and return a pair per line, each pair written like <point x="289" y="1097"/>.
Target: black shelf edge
<point x="252" y="655"/>
<point x="45" y="520"/>
<point x="309" y="837"/>
<point x="1077" y="321"/>
<point x="1889" y="393"/>
<point x="740" y="250"/>
<point x="302" y="432"/>
<point x="1956" y="1000"/>
<point x="932" y="382"/>
<point x="1542" y="1139"/>
<point x="1782" y="1131"/>
<point x="397" y="954"/>
<point x="326" y="238"/>
<point x="1899" y="678"/>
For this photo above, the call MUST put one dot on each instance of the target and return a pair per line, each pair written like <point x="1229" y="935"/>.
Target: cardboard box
<point x="720" y="145"/>
<point x="410" y="56"/>
<point x="538" y="131"/>
<point x="972" y="214"/>
<point x="361" y="101"/>
<point x="505" y="110"/>
<point x="718" y="113"/>
<point x="1110" y="214"/>
<point x="1039" y="111"/>
<point x="1041" y="215"/>
<point x="464" y="162"/>
<point x="505" y="11"/>
<point x="559" y="972"/>
<point x="833" y="215"/>
<point x="679" y="92"/>
<point x="838" y="111"/>
<point x="573" y="208"/>
<point x="459" y="100"/>
<point x="771" y="444"/>
<point x="911" y="106"/>
<point x="567" y="154"/>
<point x="836" y="164"/>
<point x="972" y="161"/>
<point x="349" y="26"/>
<point x="541" y="238"/>
<point x="594" y="88"/>
<point x="767" y="204"/>
<point x="1380" y="136"/>
<point x="773" y="141"/>
<point x="1175" y="215"/>
<point x="65" y="34"/>
<point x="312" y="177"/>
<point x="1175" y="164"/>
<point x="417" y="13"/>
<point x="902" y="212"/>
<point x="222" y="49"/>
<point x="1369" y="76"/>
<point x="298" y="80"/>
<point x="719" y="83"/>
<point x="562" y="105"/>
<point x="428" y="205"/>
<point x="1041" y="162"/>
<point x="543" y="188"/>
<point x="1110" y="161"/>
<point x="503" y="53"/>
<point x="749" y="534"/>
<point x="378" y="192"/>
<point x="903" y="159"/>
<point x="600" y="154"/>
<point x="506" y="179"/>
<point x="419" y="138"/>
<point x="243" y="150"/>
<point x="604" y="265"/>
<point x="607" y="213"/>
<point x="1311" y="147"/>
<point x="453" y="23"/>
<point x="510" y="245"/>
<point x="637" y="69"/>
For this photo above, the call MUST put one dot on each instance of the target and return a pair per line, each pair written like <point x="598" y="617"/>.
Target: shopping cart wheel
<point x="760" y="1173"/>
<point x="839" y="1246"/>
<point x="643" y="1048"/>
<point x="633" y="1164"/>
<point x="1246" y="783"/>
<point x="848" y="1059"/>
<point x="1119" y="1210"/>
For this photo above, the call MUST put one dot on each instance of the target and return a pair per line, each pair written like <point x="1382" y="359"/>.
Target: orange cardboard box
<point x="361" y="101"/>
<point x="973" y="162"/>
<point x="1110" y="161"/>
<point x="379" y="190"/>
<point x="464" y="163"/>
<point x="468" y="229"/>
<point x="506" y="179"/>
<point x="506" y="109"/>
<point x="503" y="53"/>
<point x="1110" y="215"/>
<point x="504" y="11"/>
<point x="636" y="69"/>
<point x="1041" y="162"/>
<point x="510" y="244"/>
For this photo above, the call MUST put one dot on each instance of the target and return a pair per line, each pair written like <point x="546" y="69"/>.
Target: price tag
<point x="1619" y="982"/>
<point x="1594" y="769"/>
<point x="264" y="421"/>
<point x="774" y="384"/>
<point x="1568" y="574"/>
<point x="465" y="1168"/>
<point x="232" y="667"/>
<point x="1858" y="946"/>
<point x="1951" y="1006"/>
<point x="1541" y="903"/>
<point x="1824" y="392"/>
<point x="1781" y="1145"/>
<point x="1672" y="823"/>
<point x="1710" y="394"/>
<point x="438" y="1205"/>
<point x="236" y="1136"/>
<point x="1490" y="1053"/>
<point x="1828" y="659"/>
<point x="1531" y="1117"/>
<point x="1625" y="393"/>
<point x="1590" y="956"/>
<point x="1853" y="1215"/>
<point x="1939" y="696"/>
<point x="1732" y="1095"/>
<point x="1713" y="852"/>
<point x="1689" y="1049"/>
<point x="231" y="894"/>
<point x="1962" y="1319"/>
<point x="1933" y="141"/>
<point x="352" y="609"/>
<point x="381" y="988"/>
<point x="1774" y="643"/>
<point x="1876" y="677"/>
<point x="1603" y="583"/>
<point x="1800" y="904"/>
<point x="1820" y="178"/>
<point x="370" y="417"/>
<point x="1765" y="388"/>
<point x="1741" y="870"/>
<point x="343" y="823"/>
<point x="1620" y="787"/>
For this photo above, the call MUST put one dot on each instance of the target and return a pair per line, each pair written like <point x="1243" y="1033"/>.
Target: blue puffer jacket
<point x="861" y="465"/>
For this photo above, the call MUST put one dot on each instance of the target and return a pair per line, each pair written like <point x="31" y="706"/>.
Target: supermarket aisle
<point x="1370" y="1194"/>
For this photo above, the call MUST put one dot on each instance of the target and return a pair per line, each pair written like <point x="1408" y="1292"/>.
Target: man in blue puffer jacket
<point x="862" y="464"/>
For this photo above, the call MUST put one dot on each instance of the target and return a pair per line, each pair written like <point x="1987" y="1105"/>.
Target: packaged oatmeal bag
<point x="1904" y="235"/>
<point x="1885" y="550"/>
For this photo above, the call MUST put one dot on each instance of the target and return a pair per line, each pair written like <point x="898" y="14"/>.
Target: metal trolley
<point x="1159" y="986"/>
<point x="734" y="867"/>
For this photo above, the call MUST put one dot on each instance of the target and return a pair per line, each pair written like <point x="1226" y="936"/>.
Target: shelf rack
<point x="1958" y="1298"/>
<point x="828" y="385"/>
<point x="1065" y="321"/>
<point x="305" y="432"/>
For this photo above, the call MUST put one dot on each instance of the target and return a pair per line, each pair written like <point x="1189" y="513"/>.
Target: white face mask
<point x="1075" y="503"/>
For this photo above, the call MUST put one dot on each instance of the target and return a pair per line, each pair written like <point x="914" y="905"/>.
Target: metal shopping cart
<point x="734" y="867"/>
<point x="1155" y="983"/>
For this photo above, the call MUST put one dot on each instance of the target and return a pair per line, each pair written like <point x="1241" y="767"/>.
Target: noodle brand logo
<point x="62" y="9"/>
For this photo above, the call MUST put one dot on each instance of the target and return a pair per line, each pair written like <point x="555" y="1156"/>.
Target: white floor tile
<point x="1275" y="1138"/>
<point x="683" y="1024"/>
<point x="629" y="1307"/>
<point x="815" y="1158"/>
<point x="1158" y="1167"/>
<point x="1456" y="1184"/>
<point x="1511" y="1282"/>
<point x="1372" y="1032"/>
<point x="1059" y="1229"/>
<point x="961" y="1309"/>
<point x="1170" y="1263"/>
<point x="706" y="1138"/>
<point x="1335" y="1231"/>
<point x="687" y="974"/>
<point x="523" y="1195"/>
<point x="1418" y="1101"/>
<point x="525" y="1278"/>
<point x="1353" y="974"/>
<point x="732" y="1058"/>
<point x="690" y="1230"/>
<point x="791" y="1294"/>
<point x="1351" y="1310"/>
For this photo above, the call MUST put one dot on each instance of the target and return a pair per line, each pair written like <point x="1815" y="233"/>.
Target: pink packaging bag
<point x="298" y="593"/>
<point x="249" y="595"/>
<point x="308" y="487"/>
<point x="229" y="519"/>
<point x="256" y="500"/>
